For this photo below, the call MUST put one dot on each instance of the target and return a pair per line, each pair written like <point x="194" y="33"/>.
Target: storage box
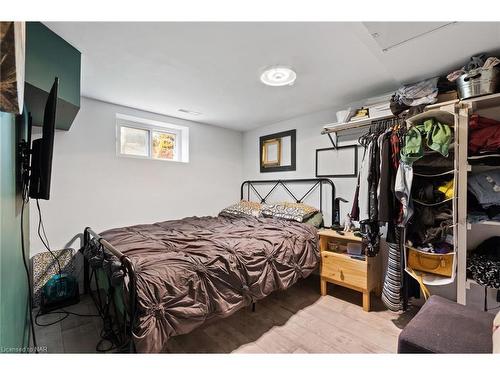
<point x="380" y="109"/>
<point x="354" y="248"/>
<point x="478" y="82"/>
<point x="447" y="96"/>
<point x="337" y="247"/>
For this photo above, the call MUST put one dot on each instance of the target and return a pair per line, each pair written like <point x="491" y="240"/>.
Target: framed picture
<point x="271" y="153"/>
<point x="337" y="162"/>
<point x="277" y="152"/>
<point x="13" y="41"/>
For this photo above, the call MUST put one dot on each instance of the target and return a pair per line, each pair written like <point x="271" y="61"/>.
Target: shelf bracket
<point x="334" y="142"/>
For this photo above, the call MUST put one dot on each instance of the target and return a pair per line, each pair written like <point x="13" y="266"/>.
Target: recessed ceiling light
<point x="189" y="112"/>
<point x="278" y="76"/>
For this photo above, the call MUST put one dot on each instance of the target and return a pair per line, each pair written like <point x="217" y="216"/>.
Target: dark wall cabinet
<point x="49" y="56"/>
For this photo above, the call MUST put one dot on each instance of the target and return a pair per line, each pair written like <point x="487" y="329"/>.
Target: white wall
<point x="309" y="139"/>
<point x="92" y="186"/>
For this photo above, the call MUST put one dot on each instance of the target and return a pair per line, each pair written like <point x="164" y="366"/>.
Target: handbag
<point x="437" y="264"/>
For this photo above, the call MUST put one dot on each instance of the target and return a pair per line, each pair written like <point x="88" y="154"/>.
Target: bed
<point x="176" y="275"/>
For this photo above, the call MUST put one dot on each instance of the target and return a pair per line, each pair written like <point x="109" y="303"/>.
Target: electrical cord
<point x="26" y="268"/>
<point x="67" y="313"/>
<point x="108" y="333"/>
<point x="44" y="239"/>
<point x="45" y="242"/>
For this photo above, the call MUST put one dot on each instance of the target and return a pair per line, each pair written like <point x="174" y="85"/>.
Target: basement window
<point x="150" y="139"/>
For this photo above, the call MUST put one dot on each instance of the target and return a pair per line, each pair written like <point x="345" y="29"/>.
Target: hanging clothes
<point x="382" y="197"/>
<point x="373" y="180"/>
<point x="369" y="191"/>
<point x="392" y="288"/>
<point x="385" y="196"/>
<point x="404" y="179"/>
<point x="364" y="184"/>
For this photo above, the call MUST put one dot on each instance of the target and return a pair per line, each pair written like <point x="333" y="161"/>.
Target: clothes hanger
<point x="362" y="140"/>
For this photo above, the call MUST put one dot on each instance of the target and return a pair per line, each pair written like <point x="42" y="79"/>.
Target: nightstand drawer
<point x="343" y="269"/>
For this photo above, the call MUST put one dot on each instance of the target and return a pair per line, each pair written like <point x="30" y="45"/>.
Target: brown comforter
<point x="200" y="268"/>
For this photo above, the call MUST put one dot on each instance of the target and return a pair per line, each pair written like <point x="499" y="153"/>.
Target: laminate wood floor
<point x="297" y="320"/>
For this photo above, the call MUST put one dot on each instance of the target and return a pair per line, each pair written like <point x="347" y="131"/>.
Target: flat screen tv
<point x="41" y="154"/>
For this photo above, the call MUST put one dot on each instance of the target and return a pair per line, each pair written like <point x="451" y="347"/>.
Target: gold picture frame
<point x="271" y="152"/>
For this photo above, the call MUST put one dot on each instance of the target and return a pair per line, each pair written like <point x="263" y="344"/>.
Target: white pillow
<point x="496" y="334"/>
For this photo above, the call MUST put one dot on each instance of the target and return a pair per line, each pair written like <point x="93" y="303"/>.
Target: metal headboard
<point x="316" y="183"/>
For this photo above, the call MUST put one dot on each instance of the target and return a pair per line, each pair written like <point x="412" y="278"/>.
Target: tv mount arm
<point x="24" y="152"/>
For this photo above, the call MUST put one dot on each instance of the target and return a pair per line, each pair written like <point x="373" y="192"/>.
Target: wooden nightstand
<point x="339" y="268"/>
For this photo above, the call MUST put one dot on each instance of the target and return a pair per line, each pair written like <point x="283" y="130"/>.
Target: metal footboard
<point x="126" y="266"/>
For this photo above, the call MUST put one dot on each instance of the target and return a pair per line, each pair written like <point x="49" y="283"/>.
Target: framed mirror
<point x="277" y="152"/>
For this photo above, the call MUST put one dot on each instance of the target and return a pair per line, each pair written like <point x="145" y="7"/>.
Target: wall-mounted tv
<point x="42" y="149"/>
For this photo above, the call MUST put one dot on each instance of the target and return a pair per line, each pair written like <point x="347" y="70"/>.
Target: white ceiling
<point x="214" y="68"/>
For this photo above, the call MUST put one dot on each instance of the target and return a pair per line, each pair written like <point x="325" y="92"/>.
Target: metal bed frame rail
<point x="316" y="183"/>
<point x="127" y="268"/>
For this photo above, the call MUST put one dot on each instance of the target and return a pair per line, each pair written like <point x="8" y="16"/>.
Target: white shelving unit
<point x="486" y="222"/>
<point x="471" y="234"/>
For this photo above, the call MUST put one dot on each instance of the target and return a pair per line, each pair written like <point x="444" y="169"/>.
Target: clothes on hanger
<point x="374" y="179"/>
<point x="377" y="202"/>
<point x="374" y="201"/>
<point x="391" y="290"/>
<point x="385" y="194"/>
<point x="364" y="184"/>
<point x="404" y="180"/>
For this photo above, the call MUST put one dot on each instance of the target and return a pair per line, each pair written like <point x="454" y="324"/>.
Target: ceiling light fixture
<point x="189" y="112"/>
<point x="278" y="76"/>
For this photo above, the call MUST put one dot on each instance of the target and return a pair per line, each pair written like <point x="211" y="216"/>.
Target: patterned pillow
<point x="243" y="208"/>
<point x="289" y="211"/>
<point x="315" y="220"/>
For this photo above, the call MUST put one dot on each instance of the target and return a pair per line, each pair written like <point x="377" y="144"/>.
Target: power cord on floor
<point x="44" y="239"/>
<point x="67" y="313"/>
<point x="108" y="332"/>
